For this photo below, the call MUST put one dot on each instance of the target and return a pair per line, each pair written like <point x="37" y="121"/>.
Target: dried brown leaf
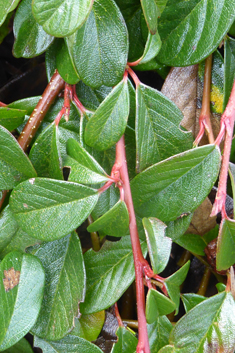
<point x="202" y="222"/>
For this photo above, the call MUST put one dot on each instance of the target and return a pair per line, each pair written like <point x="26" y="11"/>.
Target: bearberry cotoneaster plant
<point x="103" y="150"/>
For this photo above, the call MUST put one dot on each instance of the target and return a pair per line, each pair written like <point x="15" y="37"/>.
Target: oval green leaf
<point x="225" y="253"/>
<point x="95" y="40"/>
<point x="151" y="14"/>
<point x="49" y="209"/>
<point x="108" y="123"/>
<point x="127" y="342"/>
<point x="69" y="344"/>
<point x="14" y="163"/>
<point x="109" y="273"/>
<point x="30" y="38"/>
<point x="214" y="322"/>
<point x="115" y="222"/>
<point x="61" y="18"/>
<point x="84" y="168"/>
<point x="186" y="27"/>
<point x="21" y="291"/>
<point x="11" y="118"/>
<point x="45" y="153"/>
<point x="64" y="268"/>
<point x="177" y="185"/>
<point x="158" y="133"/>
<point x="159" y="246"/>
<point x="157" y="304"/>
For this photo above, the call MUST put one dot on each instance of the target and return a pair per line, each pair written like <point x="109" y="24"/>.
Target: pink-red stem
<point x="143" y="343"/>
<point x="227" y="125"/>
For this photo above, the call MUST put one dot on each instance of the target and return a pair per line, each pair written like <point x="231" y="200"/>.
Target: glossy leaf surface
<point x="30" y="38"/>
<point x="45" y="154"/>
<point x="65" y="64"/>
<point x="61" y="18"/>
<point x="159" y="246"/>
<point x="173" y="283"/>
<point x="95" y="39"/>
<point x="8" y="227"/>
<point x="225" y="254"/>
<point x="11" y="118"/>
<point x="152" y="47"/>
<point x="69" y="344"/>
<point x="21" y="288"/>
<point x="214" y="322"/>
<point x="186" y="29"/>
<point x="151" y="14"/>
<point x="89" y="326"/>
<point x="62" y="261"/>
<point x="127" y="342"/>
<point x="108" y="123"/>
<point x="14" y="164"/>
<point x="157" y="304"/>
<point x="158" y="333"/>
<point x="49" y="209"/>
<point x="109" y="273"/>
<point x="84" y="168"/>
<point x="7" y="6"/>
<point x="177" y="185"/>
<point x="158" y="133"/>
<point x="190" y="300"/>
<point x="115" y="222"/>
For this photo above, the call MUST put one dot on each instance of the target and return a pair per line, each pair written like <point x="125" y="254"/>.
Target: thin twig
<point x="204" y="119"/>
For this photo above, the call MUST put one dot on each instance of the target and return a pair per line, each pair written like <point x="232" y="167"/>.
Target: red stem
<point x="227" y="124"/>
<point x="133" y="76"/>
<point x="120" y="163"/>
<point x="54" y="87"/>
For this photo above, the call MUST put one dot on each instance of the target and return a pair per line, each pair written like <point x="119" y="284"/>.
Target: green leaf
<point x="84" y="168"/>
<point x="231" y="172"/>
<point x="30" y="38"/>
<point x="186" y="29"/>
<point x="69" y="344"/>
<point x="61" y="18"/>
<point x="49" y="209"/>
<point x="95" y="40"/>
<point x="65" y="287"/>
<point x="18" y="242"/>
<point x="8" y="227"/>
<point x="173" y="283"/>
<point x="21" y="291"/>
<point x="159" y="246"/>
<point x="45" y="154"/>
<point x="152" y="47"/>
<point x="26" y="104"/>
<point x="190" y="300"/>
<point x="90" y="97"/>
<point x="159" y="332"/>
<point x="65" y="64"/>
<point x="108" y="123"/>
<point x="115" y="222"/>
<point x="220" y="287"/>
<point x="109" y="271"/>
<point x="167" y="349"/>
<point x="192" y="242"/>
<point x="158" y="133"/>
<point x="22" y="346"/>
<point x="157" y="304"/>
<point x="89" y="326"/>
<point x="11" y="118"/>
<point x="225" y="253"/>
<point x="127" y="342"/>
<point x="7" y="6"/>
<point x="14" y="164"/>
<point x="177" y="185"/>
<point x="214" y="322"/>
<point x="151" y="14"/>
<point x="176" y="231"/>
<point x="229" y="68"/>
